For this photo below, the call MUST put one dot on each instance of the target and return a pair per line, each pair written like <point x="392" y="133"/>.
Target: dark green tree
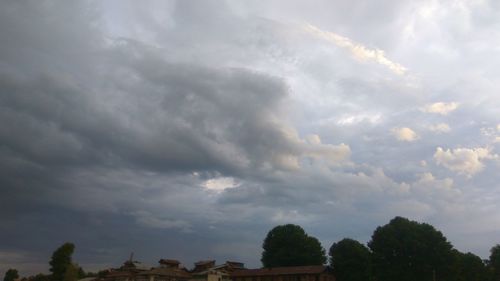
<point x="289" y="245"/>
<point x="61" y="261"/>
<point x="102" y="273"/>
<point x="494" y="262"/>
<point x="405" y="250"/>
<point x="11" y="275"/>
<point x="39" y="277"/>
<point x="71" y="273"/>
<point x="469" y="267"/>
<point x="350" y="260"/>
<point x="81" y="273"/>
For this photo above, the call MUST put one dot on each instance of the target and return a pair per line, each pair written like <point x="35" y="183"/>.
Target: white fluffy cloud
<point x="440" y="128"/>
<point x="443" y="108"/>
<point x="465" y="161"/>
<point x="405" y="134"/>
<point x="333" y="154"/>
<point x="220" y="183"/>
<point x="428" y="185"/>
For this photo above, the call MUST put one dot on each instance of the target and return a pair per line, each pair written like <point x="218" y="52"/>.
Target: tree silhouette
<point x="289" y="245"/>
<point x="405" y="250"/>
<point x="11" y="275"/>
<point x="350" y="260"/>
<point x="61" y="261"/>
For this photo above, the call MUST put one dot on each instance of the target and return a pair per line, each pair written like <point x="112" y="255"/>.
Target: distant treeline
<point x="402" y="250"/>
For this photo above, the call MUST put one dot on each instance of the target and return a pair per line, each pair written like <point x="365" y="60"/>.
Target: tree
<point x="61" y="260"/>
<point x="494" y="262"/>
<point x="11" y="275"/>
<point x="350" y="260"/>
<point x="469" y="267"/>
<point x="289" y="245"/>
<point x="405" y="250"/>
<point x="71" y="273"/>
<point x="39" y="277"/>
<point x="81" y="273"/>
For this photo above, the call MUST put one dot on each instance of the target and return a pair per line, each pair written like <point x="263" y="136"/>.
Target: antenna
<point x="131" y="257"/>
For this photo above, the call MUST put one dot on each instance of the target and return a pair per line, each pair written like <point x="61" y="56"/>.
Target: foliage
<point x="71" y="273"/>
<point x="61" y="261"/>
<point x="81" y="272"/>
<point x="351" y="260"/>
<point x="11" y="275"/>
<point x="102" y="273"/>
<point x="289" y="245"/>
<point x="469" y="267"/>
<point x="494" y="262"/>
<point x="405" y="250"/>
<point x="40" y="277"/>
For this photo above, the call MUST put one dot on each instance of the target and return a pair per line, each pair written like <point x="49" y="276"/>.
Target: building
<point x="127" y="272"/>
<point x="169" y="270"/>
<point x="203" y="265"/>
<point x="208" y="271"/>
<point x="172" y="270"/>
<point x="292" y="273"/>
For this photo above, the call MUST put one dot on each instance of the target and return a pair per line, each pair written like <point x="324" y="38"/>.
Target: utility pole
<point x="433" y="275"/>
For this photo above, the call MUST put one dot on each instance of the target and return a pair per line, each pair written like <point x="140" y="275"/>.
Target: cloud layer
<point x="156" y="128"/>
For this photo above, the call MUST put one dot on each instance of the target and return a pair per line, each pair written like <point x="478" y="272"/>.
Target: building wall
<point x="297" y="277"/>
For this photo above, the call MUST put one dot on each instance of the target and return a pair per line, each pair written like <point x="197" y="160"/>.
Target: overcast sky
<point x="189" y="129"/>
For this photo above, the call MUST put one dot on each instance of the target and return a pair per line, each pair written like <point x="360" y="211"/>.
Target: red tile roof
<point x="309" y="269"/>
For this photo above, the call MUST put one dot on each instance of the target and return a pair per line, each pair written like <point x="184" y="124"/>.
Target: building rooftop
<point x="169" y="261"/>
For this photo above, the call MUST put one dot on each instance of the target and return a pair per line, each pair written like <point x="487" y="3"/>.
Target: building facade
<point x="292" y="273"/>
<point x="172" y="270"/>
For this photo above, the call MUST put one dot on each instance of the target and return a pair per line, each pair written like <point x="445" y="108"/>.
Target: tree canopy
<point x="350" y="260"/>
<point x="71" y="273"/>
<point x="11" y="275"/>
<point x="494" y="262"/>
<point x="405" y="250"/>
<point x="61" y="261"/>
<point x="470" y="267"/>
<point x="289" y="245"/>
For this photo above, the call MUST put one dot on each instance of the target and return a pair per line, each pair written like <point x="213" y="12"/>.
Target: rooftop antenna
<point x="131" y="256"/>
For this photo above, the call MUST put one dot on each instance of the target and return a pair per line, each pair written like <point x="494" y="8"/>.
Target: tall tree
<point x="405" y="250"/>
<point x="289" y="245"/>
<point x="469" y="267"/>
<point x="350" y="260"/>
<point x="494" y="262"/>
<point x="61" y="260"/>
<point x="11" y="275"/>
<point x="40" y="277"/>
<point x="71" y="273"/>
<point x="82" y="273"/>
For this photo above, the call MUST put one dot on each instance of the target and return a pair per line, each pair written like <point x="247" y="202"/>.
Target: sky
<point x="189" y="129"/>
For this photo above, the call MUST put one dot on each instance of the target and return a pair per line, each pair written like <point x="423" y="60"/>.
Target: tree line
<point x="402" y="250"/>
<point x="62" y="267"/>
